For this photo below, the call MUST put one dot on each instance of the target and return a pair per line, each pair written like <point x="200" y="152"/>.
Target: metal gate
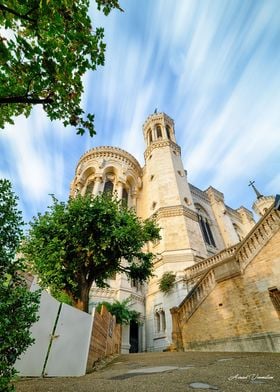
<point x="62" y="338"/>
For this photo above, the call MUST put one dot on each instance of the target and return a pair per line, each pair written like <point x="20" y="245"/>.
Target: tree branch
<point x="24" y="99"/>
<point x="11" y="11"/>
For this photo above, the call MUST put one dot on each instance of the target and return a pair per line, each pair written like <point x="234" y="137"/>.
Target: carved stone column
<point x="177" y="342"/>
<point x="97" y="185"/>
<point x="119" y="189"/>
<point x="125" y="339"/>
<point x="133" y="198"/>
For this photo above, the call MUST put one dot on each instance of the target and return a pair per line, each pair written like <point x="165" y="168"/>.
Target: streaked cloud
<point x="213" y="66"/>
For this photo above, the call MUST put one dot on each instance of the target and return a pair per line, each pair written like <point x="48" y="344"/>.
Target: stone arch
<point x="168" y="131"/>
<point x="238" y="231"/>
<point x="158" y="129"/>
<point x="149" y="136"/>
<point x="87" y="173"/>
<point x="157" y="322"/>
<point x="205" y="224"/>
<point x="85" y="181"/>
<point x="110" y="174"/>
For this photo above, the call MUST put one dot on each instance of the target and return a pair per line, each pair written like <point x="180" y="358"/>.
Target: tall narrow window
<point x="274" y="294"/>
<point x="124" y="197"/>
<point x="157" y="322"/>
<point x="108" y="187"/>
<point x="209" y="233"/>
<point x="205" y="226"/>
<point x="159" y="133"/>
<point x="89" y="188"/>
<point x="150" y="139"/>
<point x="238" y="231"/>
<point x="163" y="320"/>
<point x="167" y="128"/>
<point x="203" y="229"/>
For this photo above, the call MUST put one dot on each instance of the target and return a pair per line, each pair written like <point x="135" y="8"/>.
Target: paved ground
<point x="169" y="372"/>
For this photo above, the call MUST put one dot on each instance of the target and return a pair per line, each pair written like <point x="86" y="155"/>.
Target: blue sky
<point x="213" y="66"/>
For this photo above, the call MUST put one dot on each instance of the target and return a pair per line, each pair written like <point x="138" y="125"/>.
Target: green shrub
<point x="18" y="306"/>
<point x="121" y="310"/>
<point x="167" y="282"/>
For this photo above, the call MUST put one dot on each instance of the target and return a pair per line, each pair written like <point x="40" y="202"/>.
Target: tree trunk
<point x="83" y="302"/>
<point x="24" y="99"/>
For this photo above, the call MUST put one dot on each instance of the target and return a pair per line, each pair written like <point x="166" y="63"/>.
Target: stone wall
<point x="105" y="338"/>
<point x="234" y="312"/>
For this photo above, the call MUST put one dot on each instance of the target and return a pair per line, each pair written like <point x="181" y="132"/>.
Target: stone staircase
<point x="230" y="262"/>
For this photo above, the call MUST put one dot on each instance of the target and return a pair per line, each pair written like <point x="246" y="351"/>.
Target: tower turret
<point x="263" y="203"/>
<point x="157" y="127"/>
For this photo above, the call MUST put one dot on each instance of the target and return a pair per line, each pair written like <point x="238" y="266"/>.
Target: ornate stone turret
<point x="263" y="203"/>
<point x="157" y="127"/>
<point x="110" y="169"/>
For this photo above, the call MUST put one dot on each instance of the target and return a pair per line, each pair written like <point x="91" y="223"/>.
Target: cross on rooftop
<point x="259" y="195"/>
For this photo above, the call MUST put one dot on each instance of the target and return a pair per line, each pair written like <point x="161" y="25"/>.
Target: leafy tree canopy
<point x="121" y="310"/>
<point x="86" y="240"/>
<point x="46" y="49"/>
<point x="18" y="306"/>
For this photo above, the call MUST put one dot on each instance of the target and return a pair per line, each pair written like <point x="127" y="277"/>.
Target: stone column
<point x="125" y="339"/>
<point x="132" y="198"/>
<point x="154" y="133"/>
<point x="177" y="342"/>
<point x="97" y="185"/>
<point x="119" y="189"/>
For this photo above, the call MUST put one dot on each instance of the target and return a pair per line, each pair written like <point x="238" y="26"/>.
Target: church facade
<point x="196" y="225"/>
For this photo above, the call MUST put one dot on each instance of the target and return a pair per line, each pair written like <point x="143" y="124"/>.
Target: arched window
<point x="157" y="322"/>
<point x="238" y="231"/>
<point x="158" y="131"/>
<point x="167" y="128"/>
<point x="108" y="187"/>
<point x="163" y="321"/>
<point x="205" y="226"/>
<point x="124" y="197"/>
<point x="150" y="139"/>
<point x="89" y="188"/>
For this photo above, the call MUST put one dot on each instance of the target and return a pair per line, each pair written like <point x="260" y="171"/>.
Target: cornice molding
<point x="160" y="144"/>
<point x="199" y="193"/>
<point x="156" y="117"/>
<point x="112" y="153"/>
<point x="179" y="210"/>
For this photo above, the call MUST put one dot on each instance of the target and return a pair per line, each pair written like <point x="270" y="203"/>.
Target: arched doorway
<point x="133" y="337"/>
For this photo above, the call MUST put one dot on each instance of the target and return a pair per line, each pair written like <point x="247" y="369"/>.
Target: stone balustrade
<point x="257" y="238"/>
<point x="205" y="274"/>
<point x="198" y="293"/>
<point x="197" y="269"/>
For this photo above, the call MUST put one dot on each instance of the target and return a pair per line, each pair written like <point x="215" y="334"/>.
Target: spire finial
<point x="259" y="195"/>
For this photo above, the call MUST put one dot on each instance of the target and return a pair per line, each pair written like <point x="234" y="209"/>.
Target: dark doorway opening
<point x="133" y="337"/>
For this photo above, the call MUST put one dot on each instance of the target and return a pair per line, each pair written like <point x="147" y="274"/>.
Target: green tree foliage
<point x="18" y="306"/>
<point x="121" y="310"/>
<point x="86" y="240"/>
<point x="167" y="281"/>
<point x="47" y="48"/>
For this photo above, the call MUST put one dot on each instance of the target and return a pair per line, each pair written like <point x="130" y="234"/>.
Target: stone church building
<point x="226" y="290"/>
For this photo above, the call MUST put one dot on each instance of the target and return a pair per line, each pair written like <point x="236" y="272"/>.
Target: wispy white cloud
<point x="212" y="66"/>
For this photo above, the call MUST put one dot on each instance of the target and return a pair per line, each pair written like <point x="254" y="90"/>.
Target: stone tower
<point x="168" y="198"/>
<point x="167" y="193"/>
<point x="195" y="225"/>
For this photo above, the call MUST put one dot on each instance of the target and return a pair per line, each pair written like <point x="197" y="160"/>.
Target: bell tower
<point x="167" y="193"/>
<point x="167" y="197"/>
<point x="158" y="127"/>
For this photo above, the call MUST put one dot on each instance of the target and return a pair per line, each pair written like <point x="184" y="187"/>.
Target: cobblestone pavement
<point x="168" y="372"/>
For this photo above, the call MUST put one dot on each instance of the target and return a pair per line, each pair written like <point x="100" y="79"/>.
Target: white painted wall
<point x="70" y="341"/>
